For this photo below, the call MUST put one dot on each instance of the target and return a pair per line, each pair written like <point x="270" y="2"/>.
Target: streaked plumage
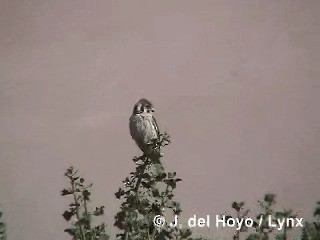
<point x="143" y="126"/>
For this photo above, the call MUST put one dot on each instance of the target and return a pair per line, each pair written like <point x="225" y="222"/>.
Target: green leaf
<point x="68" y="214"/>
<point x="71" y="231"/>
<point x="65" y="192"/>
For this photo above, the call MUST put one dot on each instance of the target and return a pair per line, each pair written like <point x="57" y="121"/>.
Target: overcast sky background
<point x="235" y="84"/>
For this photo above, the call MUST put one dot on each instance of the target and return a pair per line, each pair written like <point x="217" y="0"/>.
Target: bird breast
<point x="143" y="128"/>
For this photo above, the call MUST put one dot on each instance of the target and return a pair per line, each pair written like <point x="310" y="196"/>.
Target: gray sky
<point x="235" y="84"/>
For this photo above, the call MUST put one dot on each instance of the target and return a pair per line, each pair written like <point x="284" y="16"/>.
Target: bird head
<point x="143" y="106"/>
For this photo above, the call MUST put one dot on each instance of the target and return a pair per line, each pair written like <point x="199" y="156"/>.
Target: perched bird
<point x="143" y="126"/>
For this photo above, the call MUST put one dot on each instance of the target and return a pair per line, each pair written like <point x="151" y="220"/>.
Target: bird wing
<point x="135" y="125"/>
<point x="155" y="125"/>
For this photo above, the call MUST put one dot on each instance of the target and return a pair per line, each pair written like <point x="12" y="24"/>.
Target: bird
<point x="143" y="127"/>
